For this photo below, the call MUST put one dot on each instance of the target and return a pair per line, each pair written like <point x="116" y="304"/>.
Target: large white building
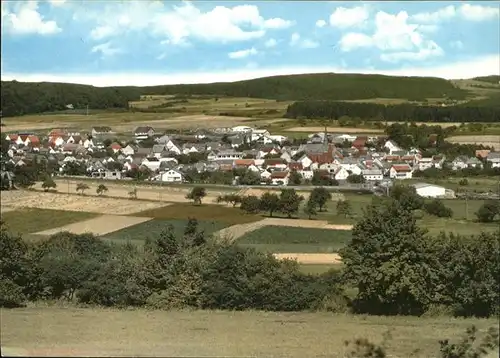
<point x="429" y="190"/>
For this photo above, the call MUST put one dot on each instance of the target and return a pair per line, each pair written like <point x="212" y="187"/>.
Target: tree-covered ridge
<point x="401" y="112"/>
<point x="491" y="79"/>
<point x="19" y="98"/>
<point x="323" y="86"/>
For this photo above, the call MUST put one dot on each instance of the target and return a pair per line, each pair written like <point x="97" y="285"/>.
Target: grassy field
<point x="479" y="183"/>
<point x="152" y="229"/>
<point x="462" y="222"/>
<point x="72" y="331"/>
<point x="278" y="239"/>
<point x="205" y="212"/>
<point x="27" y="221"/>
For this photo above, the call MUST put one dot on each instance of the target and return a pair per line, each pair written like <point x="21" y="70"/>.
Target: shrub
<point x="463" y="182"/>
<point x="437" y="208"/>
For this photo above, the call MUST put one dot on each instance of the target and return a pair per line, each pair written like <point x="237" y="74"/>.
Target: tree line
<point x="19" y="98"/>
<point x="396" y="267"/>
<point x="400" y="112"/>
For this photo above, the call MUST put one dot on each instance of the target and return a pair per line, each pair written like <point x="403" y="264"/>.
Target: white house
<point x="259" y="133"/>
<point x="277" y="138"/>
<point x="265" y="175"/>
<point x="279" y="178"/>
<point x="305" y="161"/>
<point x="170" y="176"/>
<point x="171" y="147"/>
<point x="241" y="129"/>
<point x="128" y="150"/>
<point x="306" y="174"/>
<point x="429" y="190"/>
<point x="152" y="164"/>
<point x="340" y="173"/>
<point x="392" y="146"/>
<point x="494" y="159"/>
<point x="400" y="171"/>
<point x="142" y="133"/>
<point x="425" y="163"/>
<point x="372" y="174"/>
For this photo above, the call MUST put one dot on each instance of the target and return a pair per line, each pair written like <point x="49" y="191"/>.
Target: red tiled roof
<point x="243" y="162"/>
<point x="279" y="175"/>
<point x="402" y="168"/>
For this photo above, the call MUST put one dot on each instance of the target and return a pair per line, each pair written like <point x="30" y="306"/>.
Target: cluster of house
<point x="269" y="156"/>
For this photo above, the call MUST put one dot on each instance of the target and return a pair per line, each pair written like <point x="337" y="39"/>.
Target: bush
<point x="463" y="182"/>
<point x="437" y="208"/>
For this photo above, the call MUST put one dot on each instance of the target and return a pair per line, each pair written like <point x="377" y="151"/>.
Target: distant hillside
<point x="490" y="79"/>
<point x="20" y="98"/>
<point x="323" y="86"/>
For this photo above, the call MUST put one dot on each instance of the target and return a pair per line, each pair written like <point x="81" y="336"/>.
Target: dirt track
<point x="101" y="225"/>
<point x="92" y="204"/>
<point x="317" y="259"/>
<point x="234" y="232"/>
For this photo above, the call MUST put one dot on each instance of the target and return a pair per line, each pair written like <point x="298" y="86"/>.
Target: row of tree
<point x="395" y="266"/>
<point x="402" y="112"/>
<point x="20" y="98"/>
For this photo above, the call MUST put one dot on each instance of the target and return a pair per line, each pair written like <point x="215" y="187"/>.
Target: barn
<point x="430" y="190"/>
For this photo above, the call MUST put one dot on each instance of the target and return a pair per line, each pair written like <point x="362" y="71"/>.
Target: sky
<point x="108" y="43"/>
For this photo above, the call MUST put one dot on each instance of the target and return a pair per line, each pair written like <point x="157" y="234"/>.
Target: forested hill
<point x="20" y="98"/>
<point x="491" y="79"/>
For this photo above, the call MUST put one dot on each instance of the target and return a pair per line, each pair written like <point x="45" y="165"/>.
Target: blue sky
<point x="154" y="42"/>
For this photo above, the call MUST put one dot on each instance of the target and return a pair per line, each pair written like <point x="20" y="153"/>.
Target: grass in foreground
<point x="27" y="221"/>
<point x="152" y="229"/>
<point x="140" y="332"/>
<point x="205" y="212"/>
<point x="278" y="239"/>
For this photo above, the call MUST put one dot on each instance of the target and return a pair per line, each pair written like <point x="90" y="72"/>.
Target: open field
<point x="205" y="212"/>
<point x="109" y="332"/>
<point x="334" y="130"/>
<point x="488" y="140"/>
<point x="279" y="239"/>
<point x="475" y="183"/>
<point x="91" y="204"/>
<point x="151" y="229"/>
<point x="100" y="225"/>
<point x="128" y="121"/>
<point x="163" y="193"/>
<point x="30" y="220"/>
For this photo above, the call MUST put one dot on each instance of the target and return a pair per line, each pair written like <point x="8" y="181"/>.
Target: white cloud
<point x="23" y="18"/>
<point x="57" y="2"/>
<point x="484" y="66"/>
<point x="431" y="50"/>
<point x="270" y="43"/>
<point x="478" y="12"/>
<point x="320" y="23"/>
<point x="242" y="53"/>
<point x="349" y="17"/>
<point x="180" y="23"/>
<point x="457" y="44"/>
<point x="393" y="34"/>
<point x="353" y="40"/>
<point x="106" y="49"/>
<point x="296" y="41"/>
<point x="445" y="13"/>
<point x="466" y="11"/>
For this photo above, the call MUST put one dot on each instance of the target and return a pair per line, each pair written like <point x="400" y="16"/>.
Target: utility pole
<point x="87" y="111"/>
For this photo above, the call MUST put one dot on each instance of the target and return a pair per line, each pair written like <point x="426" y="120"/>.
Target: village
<point x="323" y="158"/>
